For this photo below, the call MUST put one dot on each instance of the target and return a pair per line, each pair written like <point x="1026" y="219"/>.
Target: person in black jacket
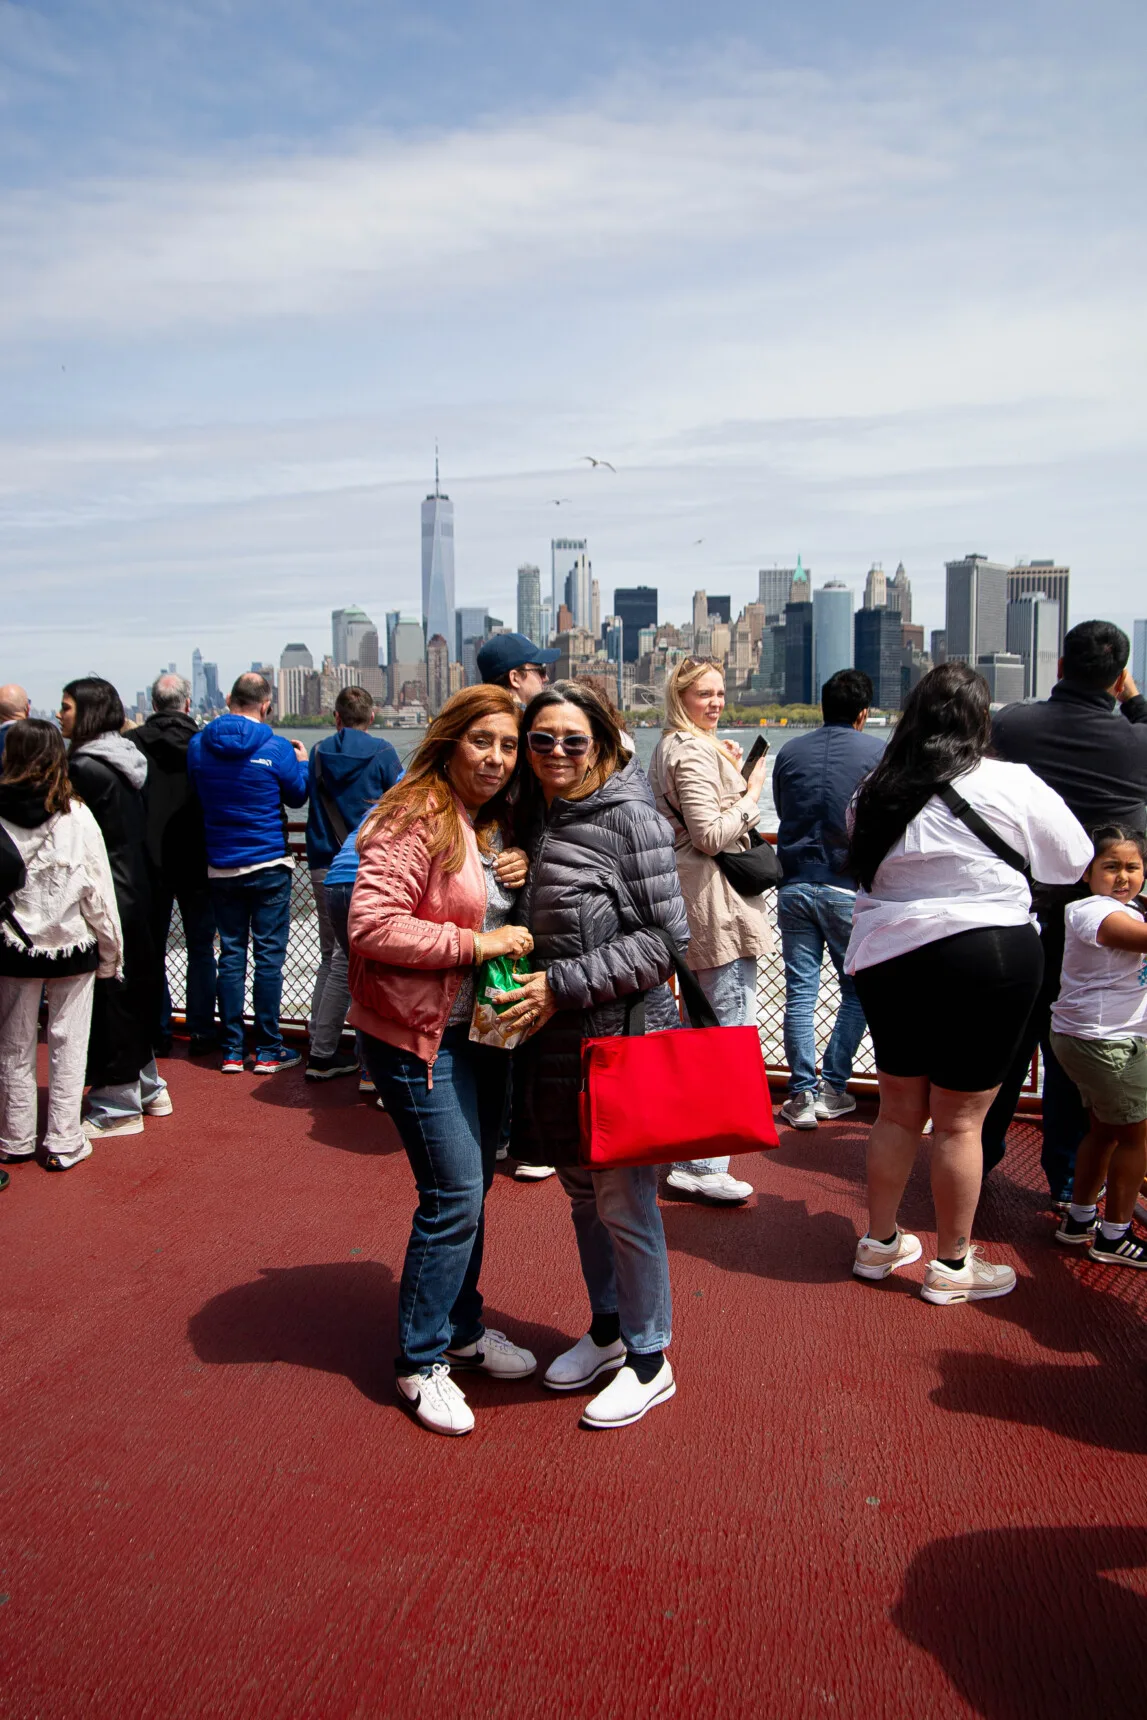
<point x="1088" y="741"/>
<point x="109" y="774"/>
<point x="177" y="864"/>
<point x="602" y="885"/>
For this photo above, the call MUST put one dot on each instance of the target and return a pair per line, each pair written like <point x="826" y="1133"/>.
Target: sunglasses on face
<point x="545" y="745"/>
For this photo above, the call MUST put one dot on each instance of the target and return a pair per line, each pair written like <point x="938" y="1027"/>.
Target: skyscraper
<point x="354" y="637"/>
<point x="898" y="595"/>
<point x="393" y="617"/>
<point x="976" y="610"/>
<point x="879" y="653"/>
<point x="1033" y="635"/>
<point x="832" y="632"/>
<point x="1045" y="576"/>
<point x="798" y="653"/>
<point x="407" y="666"/>
<point x="1139" y="654"/>
<point x="198" y="682"/>
<point x="563" y="554"/>
<point x="775" y="589"/>
<point x="212" y="697"/>
<point x="875" y="588"/>
<point x="295" y="657"/>
<point x="438" y="563"/>
<point x="437" y="673"/>
<point x="636" y="605"/>
<point x="530" y="602"/>
<point x="720" y="608"/>
<point x="1004" y="673"/>
<point x="471" y="626"/>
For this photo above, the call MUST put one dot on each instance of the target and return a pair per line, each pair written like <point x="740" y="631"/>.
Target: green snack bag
<point x="500" y="973"/>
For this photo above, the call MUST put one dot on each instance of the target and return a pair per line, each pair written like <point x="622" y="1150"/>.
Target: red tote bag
<point x="651" y="1099"/>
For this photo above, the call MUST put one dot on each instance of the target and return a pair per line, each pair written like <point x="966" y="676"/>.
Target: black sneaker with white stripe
<point x="1125" y="1250"/>
<point x="1076" y="1232"/>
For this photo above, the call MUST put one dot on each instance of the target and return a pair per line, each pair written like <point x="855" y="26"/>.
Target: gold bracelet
<point x="477" y="950"/>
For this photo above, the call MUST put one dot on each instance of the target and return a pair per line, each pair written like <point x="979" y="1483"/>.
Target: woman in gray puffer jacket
<point x="602" y="885"/>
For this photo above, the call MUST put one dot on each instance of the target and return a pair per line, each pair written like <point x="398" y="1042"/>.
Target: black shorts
<point x="954" y="1010"/>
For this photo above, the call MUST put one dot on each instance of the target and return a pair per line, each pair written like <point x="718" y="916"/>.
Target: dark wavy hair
<point x="99" y="709"/>
<point x="34" y="754"/>
<point x="945" y="730"/>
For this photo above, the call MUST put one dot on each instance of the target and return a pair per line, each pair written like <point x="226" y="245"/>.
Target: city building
<point x="294" y="657"/>
<point x="198" y="681"/>
<point x="530" y="602"/>
<point x="976" y="620"/>
<point x="1139" y="653"/>
<point x="213" y="698"/>
<point x="564" y="552"/>
<point x="878" y="651"/>
<point x="1004" y="673"/>
<point x="393" y="617"/>
<point x="437" y="673"/>
<point x="1033" y="636"/>
<point x="700" y="615"/>
<point x="1046" y="576"/>
<point x="768" y="682"/>
<point x="636" y="607"/>
<point x="577" y="645"/>
<point x="876" y="588"/>
<point x="351" y="630"/>
<point x="831" y="632"/>
<point x="898" y="595"/>
<point x="578" y="593"/>
<point x="407" y="665"/>
<point x="546" y="632"/>
<point x="613" y="637"/>
<point x="594" y="608"/>
<point x="437" y="564"/>
<point x="939" y="646"/>
<point x="299" y="692"/>
<point x="471" y="629"/>
<point x="798" y="652"/>
<point x="720" y="608"/>
<point x="774" y="590"/>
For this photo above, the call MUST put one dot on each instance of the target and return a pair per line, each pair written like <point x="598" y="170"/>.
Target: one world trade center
<point x="438" y="566"/>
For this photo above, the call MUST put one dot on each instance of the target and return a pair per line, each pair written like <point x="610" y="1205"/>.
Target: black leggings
<point x="954" y="1010"/>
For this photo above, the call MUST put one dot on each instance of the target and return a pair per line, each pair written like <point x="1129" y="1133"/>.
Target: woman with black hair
<point x="947" y="959"/>
<point x="109" y="773"/>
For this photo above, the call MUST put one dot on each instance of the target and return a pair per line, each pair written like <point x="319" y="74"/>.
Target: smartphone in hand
<point x="756" y="752"/>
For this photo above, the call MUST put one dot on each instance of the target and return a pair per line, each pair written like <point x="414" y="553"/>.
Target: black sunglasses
<point x="573" y="746"/>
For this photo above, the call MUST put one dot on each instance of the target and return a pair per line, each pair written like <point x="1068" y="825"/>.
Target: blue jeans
<point x="257" y="907"/>
<point x="198" y="916"/>
<point x="811" y="917"/>
<point x="124" y="1098"/>
<point x="732" y="990"/>
<point x="450" y="1131"/>
<point x="621" y="1243"/>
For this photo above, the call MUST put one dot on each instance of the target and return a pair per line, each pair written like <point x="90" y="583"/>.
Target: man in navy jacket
<point x="244" y="774"/>
<point x="814" y="780"/>
<point x="349" y="771"/>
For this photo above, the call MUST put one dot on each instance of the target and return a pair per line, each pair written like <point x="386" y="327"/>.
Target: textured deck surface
<point x="857" y="1504"/>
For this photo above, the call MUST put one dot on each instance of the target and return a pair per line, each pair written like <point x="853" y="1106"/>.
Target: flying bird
<point x="594" y="462"/>
<point x="557" y="501"/>
<point x="696" y="541"/>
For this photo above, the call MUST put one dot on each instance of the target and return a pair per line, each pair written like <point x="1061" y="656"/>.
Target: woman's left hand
<point x="733" y="751"/>
<point x="511" y="868"/>
<point x="532" y="1005"/>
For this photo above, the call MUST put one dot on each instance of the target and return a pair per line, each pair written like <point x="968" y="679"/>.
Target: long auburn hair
<point x="683" y="676"/>
<point x="945" y="730"/>
<point x="604" y="726"/>
<point x="34" y="754"/>
<point x="424" y="794"/>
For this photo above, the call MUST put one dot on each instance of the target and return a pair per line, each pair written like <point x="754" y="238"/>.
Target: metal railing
<point x="303" y="959"/>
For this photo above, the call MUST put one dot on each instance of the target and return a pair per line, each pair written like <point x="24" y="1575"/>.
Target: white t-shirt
<point x="1103" y="994"/>
<point x="939" y="878"/>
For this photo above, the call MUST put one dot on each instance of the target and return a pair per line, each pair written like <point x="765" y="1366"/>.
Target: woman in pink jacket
<point x="435" y="887"/>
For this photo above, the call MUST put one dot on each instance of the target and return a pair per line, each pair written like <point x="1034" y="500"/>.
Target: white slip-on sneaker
<point x="65" y="1161"/>
<point x="436" y="1401"/>
<point x="976" y="1281"/>
<point x="113" y="1126"/>
<point x="581" y="1365"/>
<point x="159" y="1105"/>
<point x="494" y="1354"/>
<point x="877" y="1259"/>
<point x="626" y="1400"/>
<point x="533" y="1173"/>
<point x="800" y="1111"/>
<point x="709" y="1185"/>
<point x="830" y="1104"/>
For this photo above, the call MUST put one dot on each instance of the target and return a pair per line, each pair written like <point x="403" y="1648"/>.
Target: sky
<point x="856" y="283"/>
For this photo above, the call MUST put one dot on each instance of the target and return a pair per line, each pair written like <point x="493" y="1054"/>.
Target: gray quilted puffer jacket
<point x="602" y="872"/>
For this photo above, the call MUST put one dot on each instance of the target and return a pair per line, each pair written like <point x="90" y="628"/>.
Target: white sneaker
<point x="582" y="1364"/>
<point x="113" y="1126"/>
<point x="878" y="1259"/>
<point x="436" y="1401"/>
<point x="494" y="1354"/>
<point x="800" y="1111"/>
<point x="829" y="1104"/>
<point x="625" y="1399"/>
<point x="976" y="1280"/>
<point x="710" y="1185"/>
<point x="533" y="1173"/>
<point x="65" y="1161"/>
<point x="159" y="1105"/>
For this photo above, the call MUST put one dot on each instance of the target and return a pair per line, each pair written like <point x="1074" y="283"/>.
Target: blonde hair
<point x="682" y="677"/>
<point x="424" y="794"/>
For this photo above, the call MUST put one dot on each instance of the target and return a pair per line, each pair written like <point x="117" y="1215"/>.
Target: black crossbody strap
<point x="968" y="815"/>
<point x="335" y="818"/>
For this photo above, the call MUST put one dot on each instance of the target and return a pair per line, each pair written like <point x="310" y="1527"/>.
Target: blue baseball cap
<point x="506" y="651"/>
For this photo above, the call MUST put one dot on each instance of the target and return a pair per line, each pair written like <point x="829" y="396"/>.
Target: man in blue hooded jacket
<point x="244" y="774"/>
<point x="350" y="770"/>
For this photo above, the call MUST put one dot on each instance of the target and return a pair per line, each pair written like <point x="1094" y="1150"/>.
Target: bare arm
<point x="1121" y="932"/>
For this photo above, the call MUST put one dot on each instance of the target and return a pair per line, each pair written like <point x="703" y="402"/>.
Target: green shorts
<point x="1111" y="1075"/>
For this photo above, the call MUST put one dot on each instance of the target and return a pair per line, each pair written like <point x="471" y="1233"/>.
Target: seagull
<point x="696" y="541"/>
<point x="557" y="501"/>
<point x="594" y="462"/>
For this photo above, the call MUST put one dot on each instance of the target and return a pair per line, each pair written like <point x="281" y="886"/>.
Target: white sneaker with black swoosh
<point x="436" y="1401"/>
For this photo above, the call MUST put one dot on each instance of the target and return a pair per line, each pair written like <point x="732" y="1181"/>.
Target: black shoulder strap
<point x="335" y="818"/>
<point x="701" y="1012"/>
<point x="968" y="815"/>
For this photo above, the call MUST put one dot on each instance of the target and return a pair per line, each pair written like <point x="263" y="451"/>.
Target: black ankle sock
<point x="645" y="1367"/>
<point x="955" y="1265"/>
<point x="886" y="1241"/>
<point x="605" y="1329"/>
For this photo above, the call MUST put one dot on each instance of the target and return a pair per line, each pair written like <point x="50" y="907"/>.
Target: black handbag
<point x="750" y="871"/>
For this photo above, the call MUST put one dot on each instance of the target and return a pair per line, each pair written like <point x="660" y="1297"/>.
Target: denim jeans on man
<point x="198" y="918"/>
<point x="254" y="906"/>
<point x="811" y="918"/>
<point x="621" y="1243"/>
<point x="330" y="997"/>
<point x="450" y="1132"/>
<point x="732" y="990"/>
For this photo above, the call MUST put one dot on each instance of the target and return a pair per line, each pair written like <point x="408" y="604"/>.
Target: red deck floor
<point x="857" y="1504"/>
